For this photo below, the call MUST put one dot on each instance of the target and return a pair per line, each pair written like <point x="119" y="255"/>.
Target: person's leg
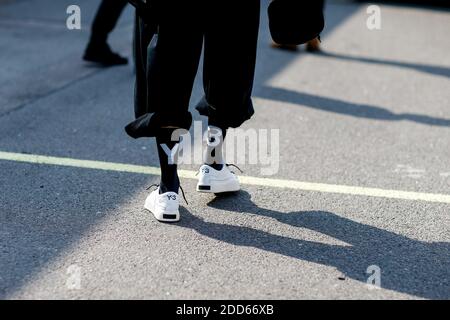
<point x="104" y="22"/>
<point x="314" y="45"/>
<point x="173" y="63"/>
<point x="228" y="74"/>
<point x="213" y="155"/>
<point x="214" y="175"/>
<point x="229" y="62"/>
<point x="172" y="68"/>
<point x="106" y="19"/>
<point x="167" y="151"/>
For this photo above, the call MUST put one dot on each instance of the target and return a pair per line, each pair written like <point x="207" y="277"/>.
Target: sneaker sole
<point x="165" y="217"/>
<point x="219" y="187"/>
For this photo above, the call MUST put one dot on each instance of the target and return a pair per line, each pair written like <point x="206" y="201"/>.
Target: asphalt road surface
<point x="363" y="183"/>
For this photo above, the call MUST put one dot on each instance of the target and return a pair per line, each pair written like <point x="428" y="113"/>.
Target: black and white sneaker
<point x="217" y="181"/>
<point x="165" y="207"/>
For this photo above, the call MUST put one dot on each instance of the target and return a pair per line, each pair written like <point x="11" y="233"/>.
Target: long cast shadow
<point x="48" y="211"/>
<point x="434" y="70"/>
<point x="409" y="266"/>
<point x="346" y="108"/>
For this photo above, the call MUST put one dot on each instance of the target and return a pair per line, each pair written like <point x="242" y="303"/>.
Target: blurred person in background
<point x="311" y="46"/>
<point x="98" y="50"/>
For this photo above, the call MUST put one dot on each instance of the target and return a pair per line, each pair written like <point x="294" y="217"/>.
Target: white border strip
<point x="265" y="182"/>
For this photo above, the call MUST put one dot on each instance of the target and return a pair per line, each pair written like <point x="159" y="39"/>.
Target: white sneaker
<point x="165" y="207"/>
<point x="215" y="181"/>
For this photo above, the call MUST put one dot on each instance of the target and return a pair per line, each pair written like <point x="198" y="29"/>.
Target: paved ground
<point x="372" y="112"/>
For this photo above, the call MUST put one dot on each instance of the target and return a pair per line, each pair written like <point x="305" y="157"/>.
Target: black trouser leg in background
<point x="106" y="19"/>
<point x="98" y="50"/>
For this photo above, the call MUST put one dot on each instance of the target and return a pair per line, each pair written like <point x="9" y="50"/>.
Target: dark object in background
<point x="295" y="22"/>
<point x="313" y="45"/>
<point x="98" y="50"/>
<point x="103" y="55"/>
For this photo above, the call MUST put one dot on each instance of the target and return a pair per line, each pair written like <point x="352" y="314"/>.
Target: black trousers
<point x="106" y="19"/>
<point x="228" y="31"/>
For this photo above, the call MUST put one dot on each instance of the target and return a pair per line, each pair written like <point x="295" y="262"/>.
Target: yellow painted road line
<point x="255" y="181"/>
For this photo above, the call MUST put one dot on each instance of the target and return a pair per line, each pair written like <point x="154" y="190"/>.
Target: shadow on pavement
<point x="407" y="265"/>
<point x="44" y="216"/>
<point x="346" y="108"/>
<point x="434" y="70"/>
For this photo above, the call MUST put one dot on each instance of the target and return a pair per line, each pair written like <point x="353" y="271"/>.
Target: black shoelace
<point x="181" y="188"/>
<point x="235" y="166"/>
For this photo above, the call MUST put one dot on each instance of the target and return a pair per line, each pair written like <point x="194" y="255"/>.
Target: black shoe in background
<point x="103" y="55"/>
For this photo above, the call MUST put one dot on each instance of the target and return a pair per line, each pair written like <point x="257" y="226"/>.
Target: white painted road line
<point x="265" y="182"/>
